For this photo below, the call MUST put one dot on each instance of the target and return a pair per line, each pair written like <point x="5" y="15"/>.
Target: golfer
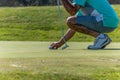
<point x="90" y="17"/>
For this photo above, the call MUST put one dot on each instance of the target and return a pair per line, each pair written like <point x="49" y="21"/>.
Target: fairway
<point x="34" y="61"/>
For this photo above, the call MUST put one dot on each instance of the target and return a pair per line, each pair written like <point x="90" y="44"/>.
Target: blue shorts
<point x="91" y="23"/>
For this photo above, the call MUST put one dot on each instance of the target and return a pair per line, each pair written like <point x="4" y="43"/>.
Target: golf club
<point x="62" y="27"/>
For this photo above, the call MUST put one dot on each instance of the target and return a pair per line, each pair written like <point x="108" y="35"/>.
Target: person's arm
<point x="72" y="9"/>
<point x="69" y="34"/>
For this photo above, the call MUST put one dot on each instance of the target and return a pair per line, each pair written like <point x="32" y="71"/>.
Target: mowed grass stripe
<point x="13" y="49"/>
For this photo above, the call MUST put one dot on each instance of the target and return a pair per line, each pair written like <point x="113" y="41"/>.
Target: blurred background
<point x="37" y="2"/>
<point x="38" y="20"/>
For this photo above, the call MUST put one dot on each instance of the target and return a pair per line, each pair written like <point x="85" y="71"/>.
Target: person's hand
<point x="55" y="45"/>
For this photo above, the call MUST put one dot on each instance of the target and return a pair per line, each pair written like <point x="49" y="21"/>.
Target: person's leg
<point x="71" y="22"/>
<point x="92" y="29"/>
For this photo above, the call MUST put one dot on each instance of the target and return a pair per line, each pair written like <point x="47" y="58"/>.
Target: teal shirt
<point x="110" y="19"/>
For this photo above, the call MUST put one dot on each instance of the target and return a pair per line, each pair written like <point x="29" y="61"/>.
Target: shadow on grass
<point x="111" y="49"/>
<point x="92" y="49"/>
<point x="101" y="49"/>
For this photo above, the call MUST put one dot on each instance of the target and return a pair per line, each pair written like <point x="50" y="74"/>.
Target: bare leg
<point x="71" y="22"/>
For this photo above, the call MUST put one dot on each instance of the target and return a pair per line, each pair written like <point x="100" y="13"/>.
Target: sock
<point x="101" y="36"/>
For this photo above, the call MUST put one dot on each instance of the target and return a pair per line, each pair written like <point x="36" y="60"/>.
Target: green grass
<point x="29" y="23"/>
<point x="31" y="60"/>
<point x="34" y="61"/>
<point x="38" y="24"/>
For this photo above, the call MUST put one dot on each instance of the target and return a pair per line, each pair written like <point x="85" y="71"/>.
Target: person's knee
<point x="71" y="20"/>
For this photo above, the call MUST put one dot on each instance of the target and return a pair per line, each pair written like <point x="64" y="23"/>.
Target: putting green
<point x="25" y="49"/>
<point x="27" y="60"/>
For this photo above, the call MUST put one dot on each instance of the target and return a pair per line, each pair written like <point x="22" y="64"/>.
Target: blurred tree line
<point x="37" y="2"/>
